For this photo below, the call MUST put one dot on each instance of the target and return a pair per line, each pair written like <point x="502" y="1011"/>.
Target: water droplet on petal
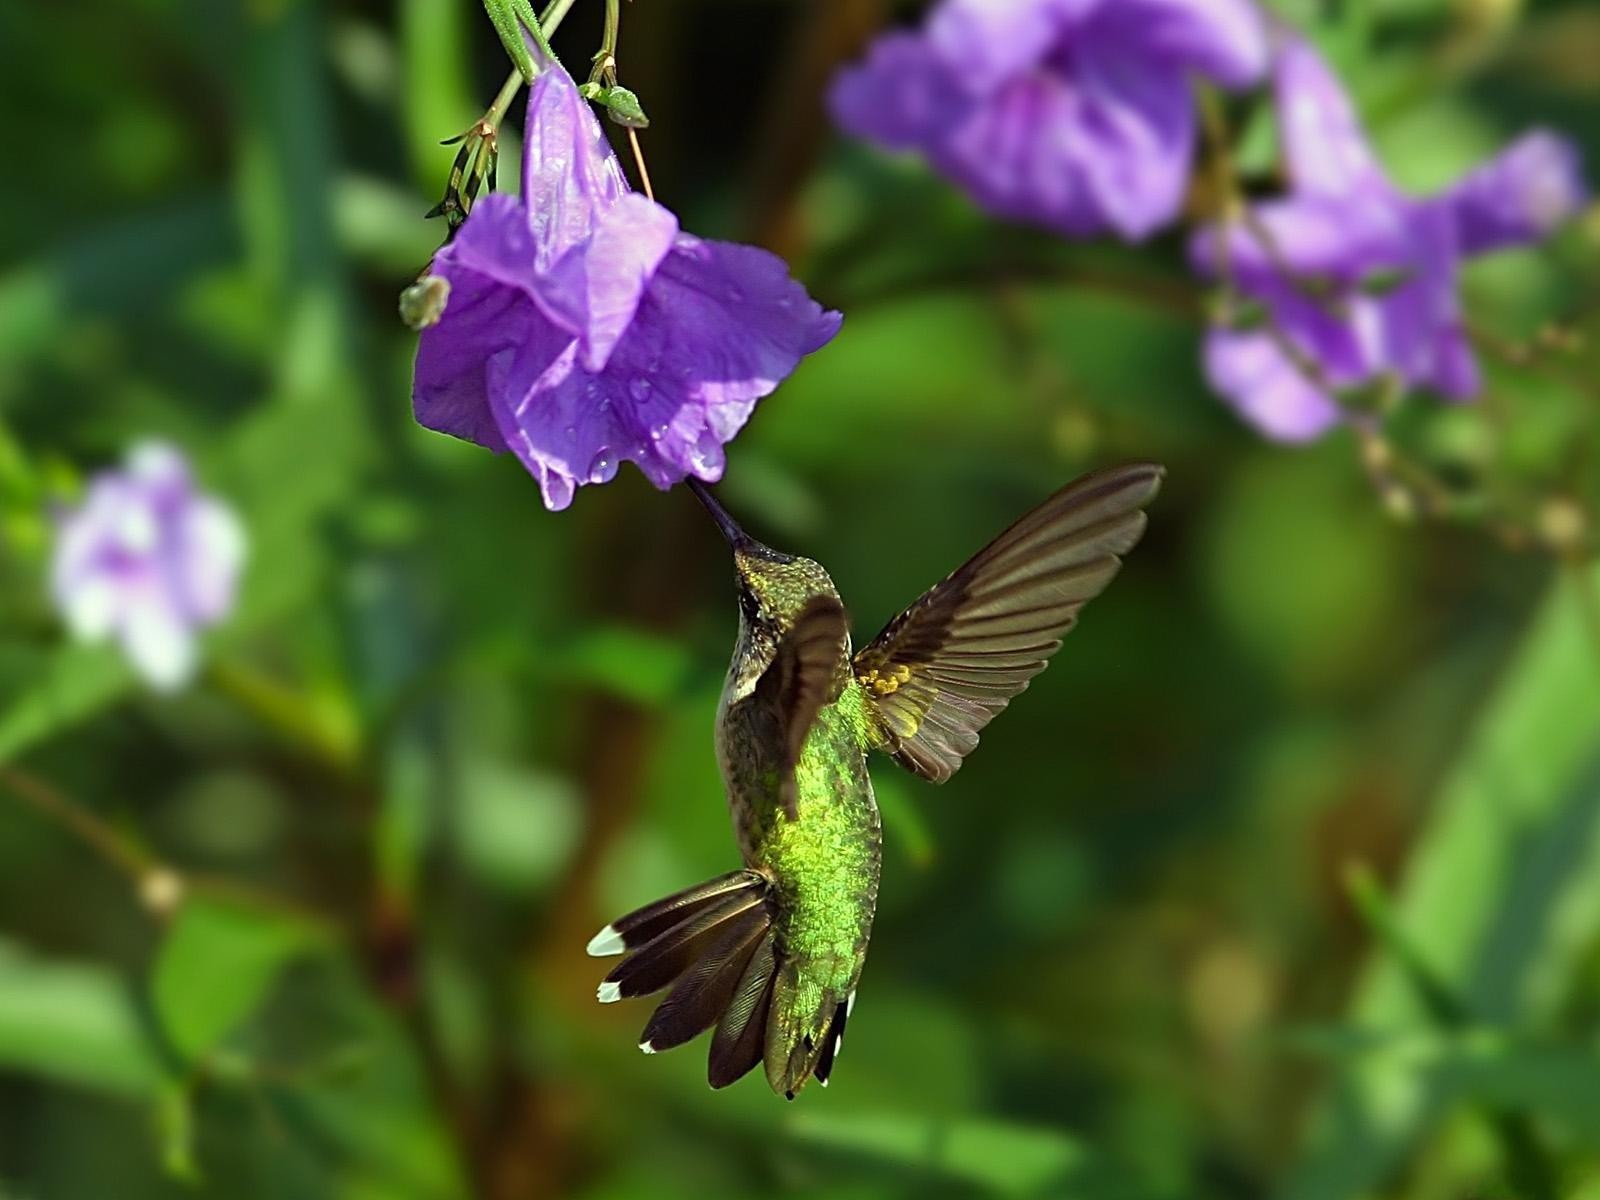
<point x="658" y="432"/>
<point x="603" y="469"/>
<point x="572" y="433"/>
<point x="639" y="388"/>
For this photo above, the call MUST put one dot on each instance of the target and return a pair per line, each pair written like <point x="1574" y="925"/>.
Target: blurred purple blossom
<point x="1357" y="276"/>
<point x="582" y="327"/>
<point x="1077" y="115"/>
<point x="149" y="561"/>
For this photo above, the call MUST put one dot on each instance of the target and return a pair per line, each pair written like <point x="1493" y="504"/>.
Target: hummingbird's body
<point x="824" y="859"/>
<point x="771" y="955"/>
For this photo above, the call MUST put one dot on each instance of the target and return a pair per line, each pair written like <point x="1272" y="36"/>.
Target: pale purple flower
<point x="148" y="561"/>
<point x="583" y="327"/>
<point x="1077" y="115"/>
<point x="1358" y="276"/>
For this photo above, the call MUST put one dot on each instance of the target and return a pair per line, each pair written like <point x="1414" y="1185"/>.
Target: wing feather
<point x="807" y="674"/>
<point x="941" y="670"/>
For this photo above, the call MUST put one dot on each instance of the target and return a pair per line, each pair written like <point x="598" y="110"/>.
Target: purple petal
<point x="988" y="42"/>
<point x="1519" y="196"/>
<point x="1018" y="155"/>
<point x="563" y="423"/>
<point x="1412" y="317"/>
<point x="1342" y="239"/>
<point x="1134" y="139"/>
<point x="482" y="319"/>
<point x="1266" y="388"/>
<point x="719" y="327"/>
<point x="1327" y="149"/>
<point x="158" y="641"/>
<point x="902" y="97"/>
<point x="210" y="550"/>
<point x="1223" y="40"/>
<point x="595" y="289"/>
<point x="569" y="172"/>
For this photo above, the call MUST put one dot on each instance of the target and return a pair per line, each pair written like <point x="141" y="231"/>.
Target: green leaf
<point x="633" y="664"/>
<point x="72" y="1023"/>
<point x="72" y="683"/>
<point x="1007" y="1158"/>
<point x="216" y="967"/>
<point x="1504" y="893"/>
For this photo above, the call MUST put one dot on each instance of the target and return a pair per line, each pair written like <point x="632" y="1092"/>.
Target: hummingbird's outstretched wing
<point x="941" y="670"/>
<point x="807" y="673"/>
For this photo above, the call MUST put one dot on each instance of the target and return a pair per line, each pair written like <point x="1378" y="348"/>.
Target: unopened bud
<point x="623" y="107"/>
<point x="1563" y="524"/>
<point x="423" y="303"/>
<point x="1400" y="504"/>
<point x="1376" y="454"/>
<point x="161" y="891"/>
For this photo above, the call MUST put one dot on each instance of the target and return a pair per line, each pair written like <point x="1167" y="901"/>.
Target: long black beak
<point x="730" y="528"/>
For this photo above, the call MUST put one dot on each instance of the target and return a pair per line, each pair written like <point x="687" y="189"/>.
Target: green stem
<point x="106" y="842"/>
<point x="605" y="63"/>
<point x="287" y="713"/>
<point x="554" y="14"/>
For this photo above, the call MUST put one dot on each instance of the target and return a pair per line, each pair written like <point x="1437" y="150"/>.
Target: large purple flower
<point x="148" y="561"/>
<point x="1357" y="276"/>
<point x="1078" y="115"/>
<point x="582" y="327"/>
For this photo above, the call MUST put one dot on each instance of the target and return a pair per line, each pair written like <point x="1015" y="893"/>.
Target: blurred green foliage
<point x="1282" y="883"/>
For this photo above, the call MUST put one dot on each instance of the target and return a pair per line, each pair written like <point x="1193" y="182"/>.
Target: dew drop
<point x="603" y="469"/>
<point x="639" y="388"/>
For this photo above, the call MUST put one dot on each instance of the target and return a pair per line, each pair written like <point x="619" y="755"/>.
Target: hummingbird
<point x="769" y="956"/>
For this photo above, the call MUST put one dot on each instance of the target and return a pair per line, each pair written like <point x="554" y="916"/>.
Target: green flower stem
<point x="509" y="18"/>
<point x="605" y="63"/>
<point x="554" y="14"/>
<point x="513" y="18"/>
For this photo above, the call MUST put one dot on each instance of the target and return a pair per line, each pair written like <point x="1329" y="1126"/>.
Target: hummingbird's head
<point x="773" y="586"/>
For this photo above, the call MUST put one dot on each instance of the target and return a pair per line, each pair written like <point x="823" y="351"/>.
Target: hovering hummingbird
<point x="771" y="954"/>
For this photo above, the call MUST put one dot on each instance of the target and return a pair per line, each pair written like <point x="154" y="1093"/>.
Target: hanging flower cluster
<point x="1358" y="279"/>
<point x="1078" y="115"/>
<point x="149" y="561"/>
<point x="581" y="327"/>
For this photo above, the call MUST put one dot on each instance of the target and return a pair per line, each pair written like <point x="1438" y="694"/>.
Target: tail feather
<point x="660" y="961"/>
<point x="741" y="1035"/>
<point x="703" y="992"/>
<point x="833" y="1040"/>
<point x="645" y="924"/>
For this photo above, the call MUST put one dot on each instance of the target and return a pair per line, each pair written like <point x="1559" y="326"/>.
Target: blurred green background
<point x="1285" y="882"/>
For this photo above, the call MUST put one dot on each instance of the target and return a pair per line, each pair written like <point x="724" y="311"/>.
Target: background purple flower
<point x="149" y="561"/>
<point x="1359" y="277"/>
<point x="583" y="328"/>
<point x="1078" y="115"/>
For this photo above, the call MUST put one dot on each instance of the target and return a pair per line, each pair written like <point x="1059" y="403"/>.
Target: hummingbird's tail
<point x="713" y="945"/>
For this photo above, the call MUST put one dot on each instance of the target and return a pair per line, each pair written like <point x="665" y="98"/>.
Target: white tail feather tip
<point x="605" y="943"/>
<point x="647" y="1047"/>
<point x="608" y="993"/>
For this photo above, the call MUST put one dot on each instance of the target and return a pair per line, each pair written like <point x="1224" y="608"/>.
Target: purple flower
<point x="149" y="561"/>
<point x="1357" y="276"/>
<point x="1078" y="115"/>
<point x="582" y="327"/>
